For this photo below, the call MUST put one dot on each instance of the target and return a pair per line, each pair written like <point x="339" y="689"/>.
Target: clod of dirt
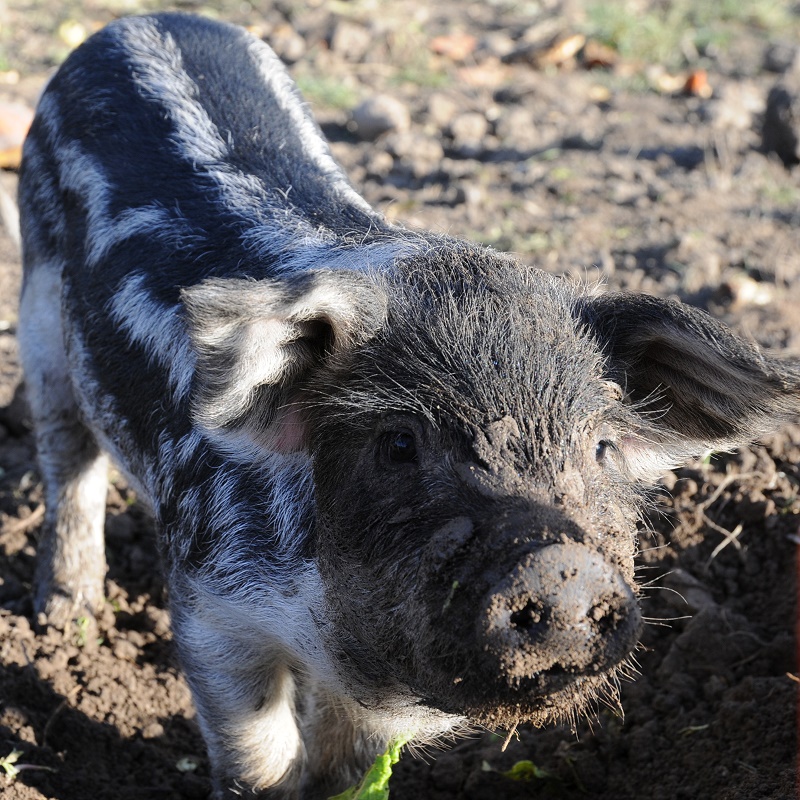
<point x="781" y="131"/>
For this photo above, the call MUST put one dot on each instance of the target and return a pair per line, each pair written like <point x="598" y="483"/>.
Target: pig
<point x="395" y="476"/>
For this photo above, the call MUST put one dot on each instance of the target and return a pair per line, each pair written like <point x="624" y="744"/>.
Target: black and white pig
<point x="395" y="475"/>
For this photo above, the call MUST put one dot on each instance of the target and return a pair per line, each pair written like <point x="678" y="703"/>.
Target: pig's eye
<point x="601" y="450"/>
<point x="400" y="447"/>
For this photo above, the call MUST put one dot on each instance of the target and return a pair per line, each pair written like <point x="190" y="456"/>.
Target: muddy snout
<point x="560" y="613"/>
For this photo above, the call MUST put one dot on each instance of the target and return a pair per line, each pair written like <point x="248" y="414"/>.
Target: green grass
<point x="327" y="92"/>
<point x="677" y="33"/>
<point x="782" y="196"/>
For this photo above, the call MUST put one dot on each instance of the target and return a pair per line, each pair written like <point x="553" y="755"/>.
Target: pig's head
<point x="479" y="433"/>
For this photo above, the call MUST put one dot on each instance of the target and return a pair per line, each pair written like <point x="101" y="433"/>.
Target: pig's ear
<point x="257" y="342"/>
<point x="695" y="384"/>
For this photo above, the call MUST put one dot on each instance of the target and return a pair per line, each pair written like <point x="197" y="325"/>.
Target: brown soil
<point x="584" y="172"/>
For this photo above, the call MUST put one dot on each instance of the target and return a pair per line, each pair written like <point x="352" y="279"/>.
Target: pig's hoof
<point x="63" y="609"/>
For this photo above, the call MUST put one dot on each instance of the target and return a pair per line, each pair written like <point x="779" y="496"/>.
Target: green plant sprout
<point x="9" y="765"/>
<point x="375" y="783"/>
<point x="526" y="771"/>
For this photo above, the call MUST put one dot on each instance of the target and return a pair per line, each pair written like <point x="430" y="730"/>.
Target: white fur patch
<point x="157" y="328"/>
<point x="244" y="693"/>
<point x="82" y="173"/>
<point x="41" y="340"/>
<point x="315" y="147"/>
<point x="199" y="141"/>
<point x="159" y="65"/>
<point x="268" y="740"/>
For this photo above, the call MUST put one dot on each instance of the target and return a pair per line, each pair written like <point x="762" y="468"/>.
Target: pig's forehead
<point x="483" y="338"/>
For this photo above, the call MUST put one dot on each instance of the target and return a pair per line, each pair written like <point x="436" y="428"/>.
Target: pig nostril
<point x="530" y="617"/>
<point x="605" y="617"/>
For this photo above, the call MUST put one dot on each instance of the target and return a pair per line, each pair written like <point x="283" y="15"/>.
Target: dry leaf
<point x="599" y="93"/>
<point x="664" y="82"/>
<point x="697" y="84"/>
<point x="488" y="74"/>
<point x="15" y="119"/>
<point x="561" y="51"/>
<point x="597" y="55"/>
<point x="456" y="46"/>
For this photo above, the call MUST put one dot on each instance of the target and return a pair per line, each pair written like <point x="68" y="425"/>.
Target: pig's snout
<point x="562" y="612"/>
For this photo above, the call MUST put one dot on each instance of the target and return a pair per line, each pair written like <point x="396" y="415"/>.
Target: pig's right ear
<point x="257" y="342"/>
<point x="695" y="385"/>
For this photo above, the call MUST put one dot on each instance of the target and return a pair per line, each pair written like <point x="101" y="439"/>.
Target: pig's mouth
<point x="553" y="696"/>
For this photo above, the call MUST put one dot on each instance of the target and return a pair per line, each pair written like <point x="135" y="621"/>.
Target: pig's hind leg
<point x="71" y="565"/>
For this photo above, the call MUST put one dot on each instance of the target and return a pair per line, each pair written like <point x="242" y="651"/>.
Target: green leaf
<point x="375" y="783"/>
<point x="525" y="771"/>
<point x="8" y="762"/>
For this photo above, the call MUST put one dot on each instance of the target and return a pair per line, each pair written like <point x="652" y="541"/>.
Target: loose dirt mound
<point x="613" y="173"/>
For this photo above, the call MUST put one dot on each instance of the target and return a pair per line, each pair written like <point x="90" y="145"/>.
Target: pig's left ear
<point x="257" y="343"/>
<point x="697" y="385"/>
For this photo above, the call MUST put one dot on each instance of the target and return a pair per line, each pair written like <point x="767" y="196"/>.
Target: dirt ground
<point x="642" y="171"/>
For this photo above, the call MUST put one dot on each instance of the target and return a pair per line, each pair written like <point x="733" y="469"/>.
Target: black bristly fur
<point x="207" y="300"/>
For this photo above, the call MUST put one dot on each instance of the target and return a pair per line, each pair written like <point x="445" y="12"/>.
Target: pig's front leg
<point x="340" y="747"/>
<point x="244" y="693"/>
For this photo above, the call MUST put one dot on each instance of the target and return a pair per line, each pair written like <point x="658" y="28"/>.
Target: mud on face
<point x="476" y="530"/>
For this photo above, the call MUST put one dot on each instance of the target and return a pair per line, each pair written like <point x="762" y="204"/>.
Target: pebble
<point x="495" y="43"/>
<point x="468" y="131"/>
<point x="688" y="595"/>
<point x="380" y="114"/>
<point x="416" y="153"/>
<point x="350" y="40"/>
<point x="736" y="105"/>
<point x="287" y="44"/>
<point x="378" y="164"/>
<point x="442" y="110"/>
<point x="517" y="129"/>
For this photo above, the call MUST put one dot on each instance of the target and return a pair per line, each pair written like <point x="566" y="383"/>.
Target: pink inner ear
<point x="288" y="431"/>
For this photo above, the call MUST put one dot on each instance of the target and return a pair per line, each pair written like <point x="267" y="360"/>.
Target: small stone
<point x="468" y="131"/>
<point x="685" y="593"/>
<point x="350" y="40"/>
<point x="380" y="114"/>
<point x="743" y="291"/>
<point x="517" y="129"/>
<point x="379" y="164"/>
<point x="416" y="153"/>
<point x="736" y="105"/>
<point x="495" y="43"/>
<point x="288" y="45"/>
<point x="442" y="109"/>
